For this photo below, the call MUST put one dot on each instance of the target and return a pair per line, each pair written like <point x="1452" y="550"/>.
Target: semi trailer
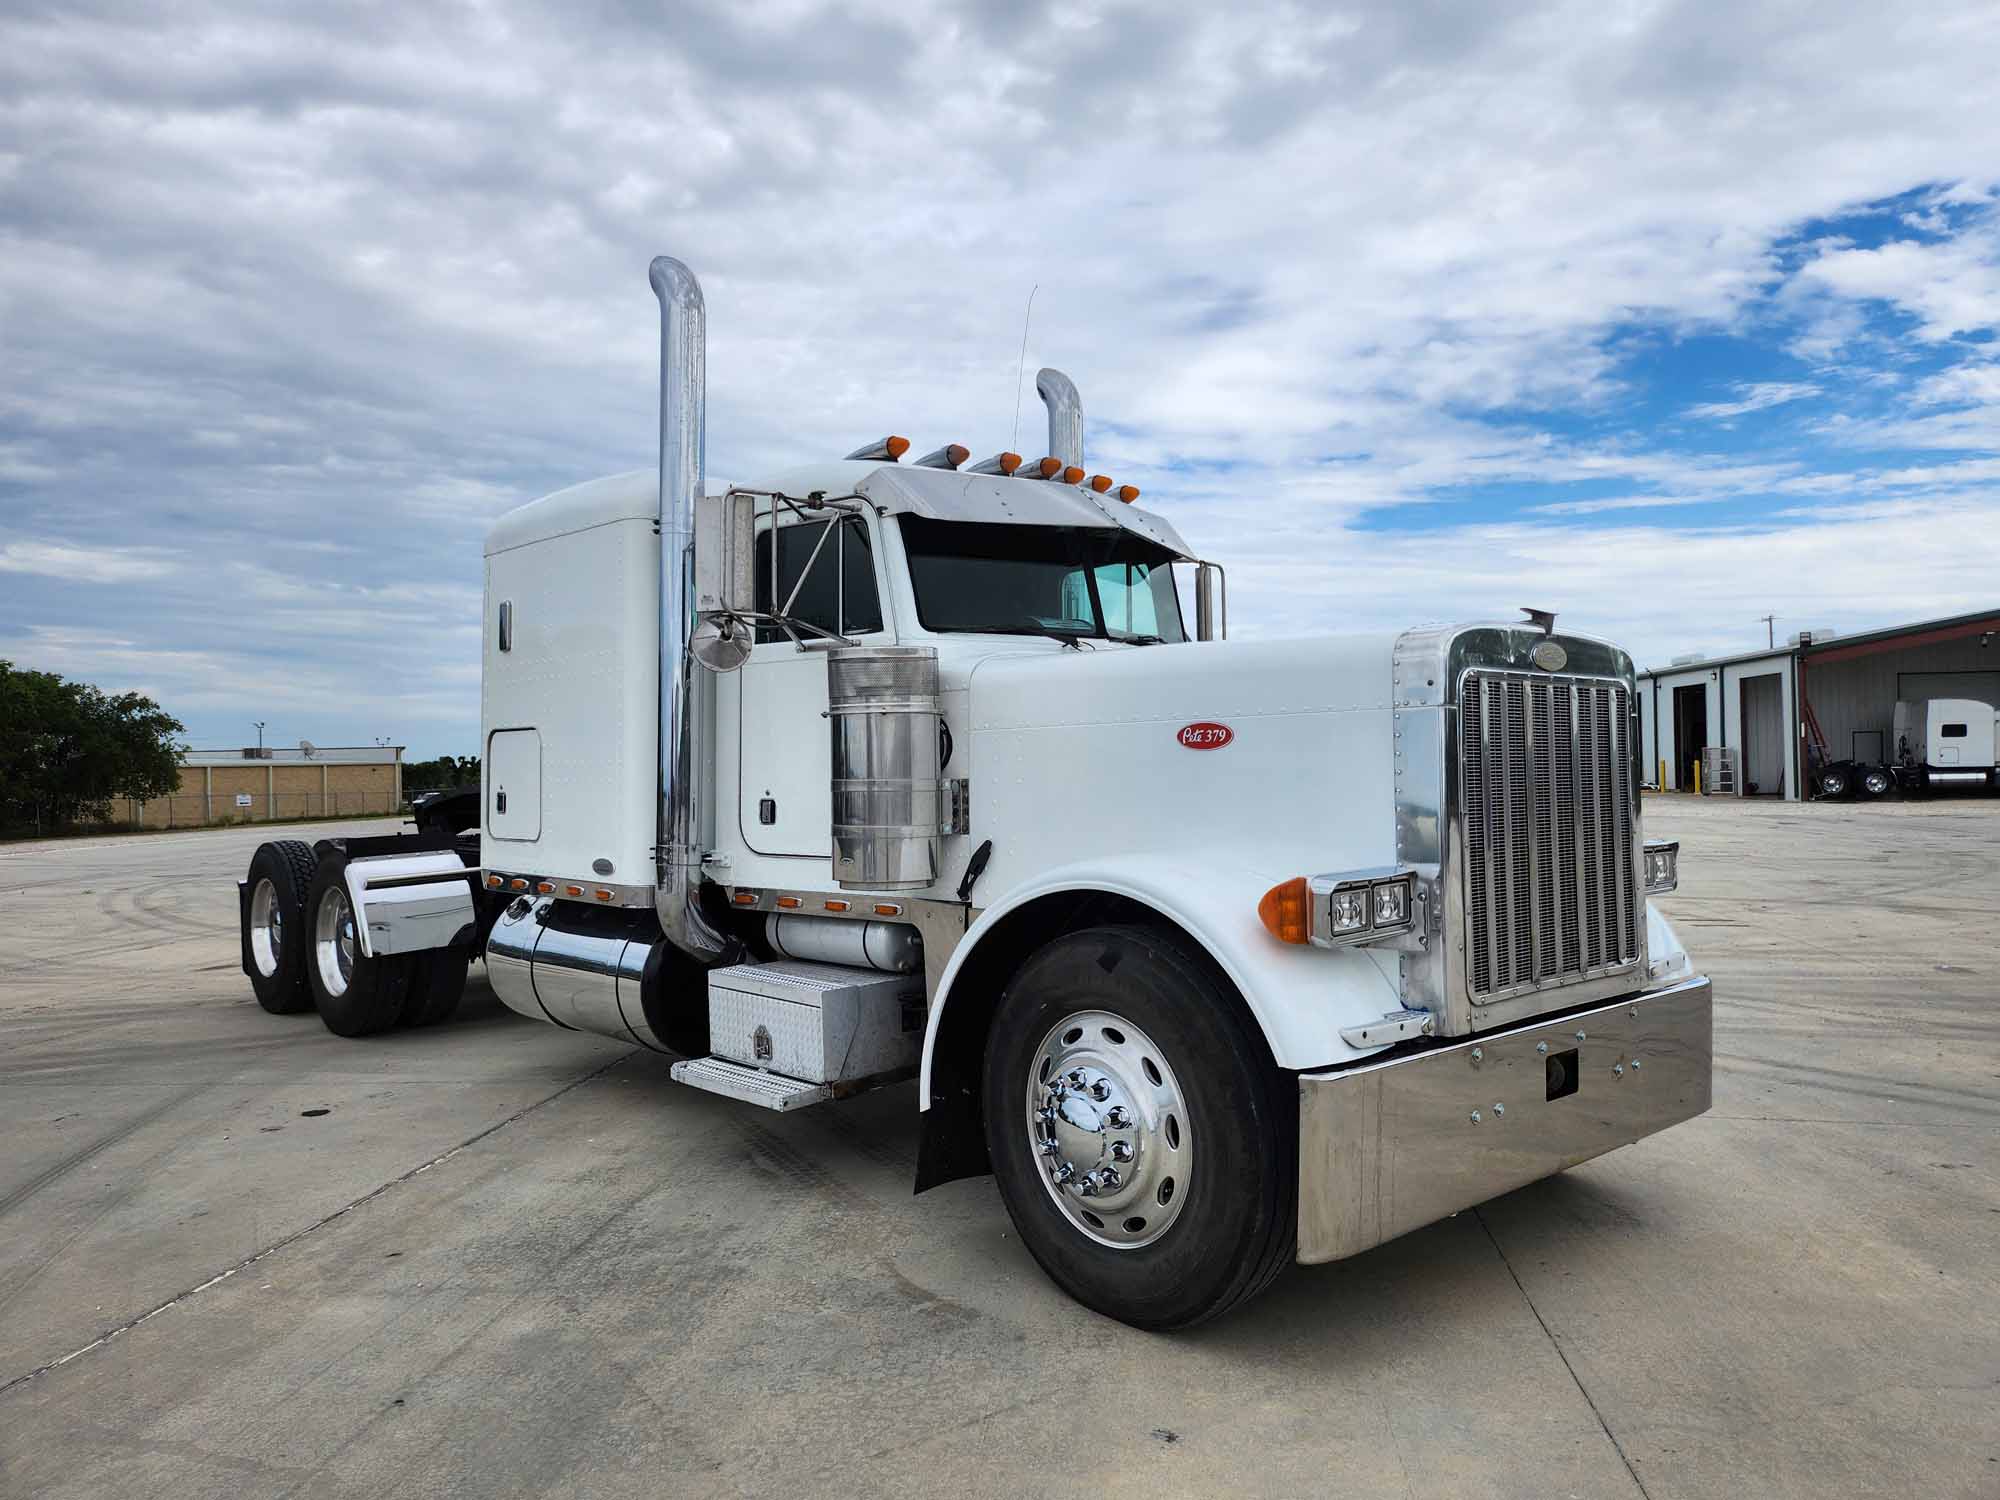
<point x="1216" y="954"/>
<point x="1942" y="745"/>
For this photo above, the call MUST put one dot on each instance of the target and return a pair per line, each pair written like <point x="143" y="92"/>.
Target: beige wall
<point x="208" y="794"/>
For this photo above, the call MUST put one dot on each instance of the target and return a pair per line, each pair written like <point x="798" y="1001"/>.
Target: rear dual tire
<point x="281" y="872"/>
<point x="356" y="995"/>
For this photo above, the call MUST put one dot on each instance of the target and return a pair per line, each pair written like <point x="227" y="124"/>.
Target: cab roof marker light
<point x="950" y="456"/>
<point x="1072" y="475"/>
<point x="1041" y="468"/>
<point x="1128" y="493"/>
<point x="891" y="448"/>
<point x="999" y="463"/>
<point x="1101" y="483"/>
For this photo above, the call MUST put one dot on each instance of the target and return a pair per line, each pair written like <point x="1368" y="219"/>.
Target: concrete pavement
<point x="509" y="1260"/>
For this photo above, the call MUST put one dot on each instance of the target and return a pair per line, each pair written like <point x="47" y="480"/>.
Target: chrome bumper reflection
<point x="1385" y="1148"/>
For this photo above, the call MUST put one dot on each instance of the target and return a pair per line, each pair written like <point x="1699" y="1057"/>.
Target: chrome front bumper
<point x="1388" y="1147"/>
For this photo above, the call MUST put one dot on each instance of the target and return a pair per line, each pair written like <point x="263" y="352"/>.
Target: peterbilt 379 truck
<point x="1216" y="954"/>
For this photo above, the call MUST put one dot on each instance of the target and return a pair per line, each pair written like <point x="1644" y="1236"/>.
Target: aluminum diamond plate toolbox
<point x="818" y="1022"/>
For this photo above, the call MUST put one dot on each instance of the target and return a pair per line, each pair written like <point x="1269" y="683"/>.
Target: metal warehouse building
<point x="1819" y="696"/>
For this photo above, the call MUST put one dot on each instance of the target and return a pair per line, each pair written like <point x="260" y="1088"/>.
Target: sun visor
<point x="944" y="495"/>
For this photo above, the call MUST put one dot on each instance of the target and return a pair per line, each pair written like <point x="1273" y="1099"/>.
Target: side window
<point x="839" y="592"/>
<point x="1127" y="596"/>
<point x="1952" y="731"/>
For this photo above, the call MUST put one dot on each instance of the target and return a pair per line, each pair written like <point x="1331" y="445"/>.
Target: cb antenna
<point x="1022" y="370"/>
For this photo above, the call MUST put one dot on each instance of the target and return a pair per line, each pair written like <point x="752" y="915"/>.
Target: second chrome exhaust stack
<point x="684" y="767"/>
<point x="1058" y="393"/>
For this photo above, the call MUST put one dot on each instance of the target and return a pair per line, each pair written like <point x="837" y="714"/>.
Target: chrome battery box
<point x="818" y="1022"/>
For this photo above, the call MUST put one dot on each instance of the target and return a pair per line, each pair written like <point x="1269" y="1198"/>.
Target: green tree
<point x="66" y="749"/>
<point x="445" y="771"/>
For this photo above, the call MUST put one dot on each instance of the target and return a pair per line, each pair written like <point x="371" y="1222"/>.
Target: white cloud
<point x="1754" y="396"/>
<point x="305" y="297"/>
<point x="75" y="564"/>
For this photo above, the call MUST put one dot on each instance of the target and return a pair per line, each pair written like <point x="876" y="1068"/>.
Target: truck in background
<point x="1216" y="954"/>
<point x="1942" y="744"/>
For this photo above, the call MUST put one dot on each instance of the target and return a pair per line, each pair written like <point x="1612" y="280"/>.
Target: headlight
<point x="1663" y="866"/>
<point x="1336" y="911"/>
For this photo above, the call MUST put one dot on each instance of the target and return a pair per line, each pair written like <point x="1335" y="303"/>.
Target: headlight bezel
<point x="1661" y="865"/>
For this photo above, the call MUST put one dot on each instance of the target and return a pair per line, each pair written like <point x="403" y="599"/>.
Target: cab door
<point x="785" y="785"/>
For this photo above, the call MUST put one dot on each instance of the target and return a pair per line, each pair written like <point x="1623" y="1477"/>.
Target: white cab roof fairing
<point x="633" y="496"/>
<point x="952" y="495"/>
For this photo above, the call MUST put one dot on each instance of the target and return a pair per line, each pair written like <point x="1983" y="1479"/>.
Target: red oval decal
<point x="1206" y="735"/>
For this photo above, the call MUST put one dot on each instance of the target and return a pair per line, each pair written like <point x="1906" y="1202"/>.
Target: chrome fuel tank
<point x="581" y="969"/>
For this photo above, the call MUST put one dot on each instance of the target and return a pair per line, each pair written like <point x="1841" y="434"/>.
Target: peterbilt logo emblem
<point x="1206" y="735"/>
<point x="1549" y="656"/>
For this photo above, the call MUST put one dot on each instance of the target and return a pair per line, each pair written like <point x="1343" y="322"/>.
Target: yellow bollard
<point x="1662" y="783"/>
<point x="1697" y="778"/>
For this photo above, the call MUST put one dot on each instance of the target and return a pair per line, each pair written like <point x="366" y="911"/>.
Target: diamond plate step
<point x="751" y="1085"/>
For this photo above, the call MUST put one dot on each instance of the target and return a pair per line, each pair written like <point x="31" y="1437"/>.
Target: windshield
<point x="1041" y="580"/>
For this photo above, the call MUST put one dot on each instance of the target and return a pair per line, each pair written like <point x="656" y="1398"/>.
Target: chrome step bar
<point x="716" y="1075"/>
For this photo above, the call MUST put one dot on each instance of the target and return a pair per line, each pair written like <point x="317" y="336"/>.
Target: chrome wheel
<point x="1110" y="1129"/>
<point x="267" y="928"/>
<point x="1875" y="783"/>
<point x="333" y="942"/>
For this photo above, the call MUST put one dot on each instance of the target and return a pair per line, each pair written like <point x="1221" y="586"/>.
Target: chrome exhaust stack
<point x="684" y="770"/>
<point x="1058" y="393"/>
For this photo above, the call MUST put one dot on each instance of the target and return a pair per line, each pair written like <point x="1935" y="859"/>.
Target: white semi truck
<point x="1215" y="954"/>
<point x="1942" y="745"/>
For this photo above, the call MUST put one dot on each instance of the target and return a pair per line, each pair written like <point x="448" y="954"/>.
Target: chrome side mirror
<point x="1211" y="602"/>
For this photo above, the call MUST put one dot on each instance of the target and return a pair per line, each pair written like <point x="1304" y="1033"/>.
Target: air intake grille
<point x="1546" y="794"/>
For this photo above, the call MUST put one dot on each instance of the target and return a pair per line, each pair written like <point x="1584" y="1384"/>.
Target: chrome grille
<point x="1546" y="797"/>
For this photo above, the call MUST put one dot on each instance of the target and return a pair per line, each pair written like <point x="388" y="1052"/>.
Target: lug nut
<point x="1064" y="1171"/>
<point x="1100" y="1091"/>
<point x="1117" y="1117"/>
<point x="1109" y="1178"/>
<point x="1121" y="1150"/>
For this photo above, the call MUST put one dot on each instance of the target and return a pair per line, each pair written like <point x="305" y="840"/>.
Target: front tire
<point x="356" y="995"/>
<point x="1145" y="1146"/>
<point x="275" y="935"/>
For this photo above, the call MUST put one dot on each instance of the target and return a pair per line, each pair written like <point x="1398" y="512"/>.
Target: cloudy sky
<point x="1666" y="316"/>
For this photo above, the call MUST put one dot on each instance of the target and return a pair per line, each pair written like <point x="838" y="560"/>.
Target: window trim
<point x="771" y="560"/>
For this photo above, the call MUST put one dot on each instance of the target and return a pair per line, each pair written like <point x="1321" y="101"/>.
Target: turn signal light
<point x="1128" y="493"/>
<point x="1100" y="482"/>
<point x="1287" y="911"/>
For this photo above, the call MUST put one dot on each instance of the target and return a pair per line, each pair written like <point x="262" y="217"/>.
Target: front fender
<point x="1300" y="996"/>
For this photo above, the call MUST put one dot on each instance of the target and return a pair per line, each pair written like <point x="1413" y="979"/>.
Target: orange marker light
<point x="1285" y="910"/>
<point x="572" y="890"/>
<point x="1072" y="475"/>
<point x="1044" y="468"/>
<point x="1100" y="482"/>
<point x="1128" y="493"/>
<point x="517" y="885"/>
<point x="745" y="898"/>
<point x="495" y="882"/>
<point x="544" y="887"/>
<point x="602" y="895"/>
<point x="836" y="906"/>
<point x="790" y="903"/>
<point x="887" y="909"/>
<point x="897" y="446"/>
<point x="1009" y="462"/>
<point x="958" y="453"/>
